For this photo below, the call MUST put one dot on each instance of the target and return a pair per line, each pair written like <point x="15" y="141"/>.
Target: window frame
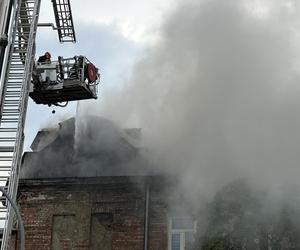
<point x="181" y="232"/>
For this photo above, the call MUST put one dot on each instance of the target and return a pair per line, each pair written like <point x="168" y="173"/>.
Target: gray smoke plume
<point x="218" y="97"/>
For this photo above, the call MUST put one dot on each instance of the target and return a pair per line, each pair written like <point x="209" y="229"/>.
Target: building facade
<point x="94" y="213"/>
<point x="102" y="197"/>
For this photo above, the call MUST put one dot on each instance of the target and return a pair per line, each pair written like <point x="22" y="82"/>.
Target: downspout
<point x="4" y="38"/>
<point x="146" y="220"/>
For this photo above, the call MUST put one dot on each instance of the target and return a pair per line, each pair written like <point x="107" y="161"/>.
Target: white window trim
<point x="181" y="231"/>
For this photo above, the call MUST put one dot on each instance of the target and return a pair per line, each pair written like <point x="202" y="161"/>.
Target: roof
<point x="105" y="182"/>
<point x="88" y="147"/>
<point x="43" y="138"/>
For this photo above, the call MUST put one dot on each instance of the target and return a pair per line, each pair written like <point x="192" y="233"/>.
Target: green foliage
<point x="219" y="243"/>
<point x="240" y="218"/>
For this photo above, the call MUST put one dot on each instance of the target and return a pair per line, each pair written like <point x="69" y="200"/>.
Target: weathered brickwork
<point x="93" y="213"/>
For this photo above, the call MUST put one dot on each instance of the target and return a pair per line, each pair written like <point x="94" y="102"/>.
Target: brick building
<point x="93" y="189"/>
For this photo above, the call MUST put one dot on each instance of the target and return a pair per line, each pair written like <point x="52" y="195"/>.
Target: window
<point x="181" y="233"/>
<point x="101" y="233"/>
<point x="64" y="232"/>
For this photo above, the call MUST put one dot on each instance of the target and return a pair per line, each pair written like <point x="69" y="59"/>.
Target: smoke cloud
<point x="218" y="97"/>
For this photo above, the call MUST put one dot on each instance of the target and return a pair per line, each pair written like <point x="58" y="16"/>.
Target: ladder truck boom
<point x="13" y="102"/>
<point x="5" y="17"/>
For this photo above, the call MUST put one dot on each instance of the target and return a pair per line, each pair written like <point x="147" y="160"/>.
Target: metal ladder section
<point x="64" y="20"/>
<point x="13" y="104"/>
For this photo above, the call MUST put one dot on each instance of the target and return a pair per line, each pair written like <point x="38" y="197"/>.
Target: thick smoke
<point x="218" y="97"/>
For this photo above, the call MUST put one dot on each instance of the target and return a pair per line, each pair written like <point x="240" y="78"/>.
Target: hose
<point x="19" y="218"/>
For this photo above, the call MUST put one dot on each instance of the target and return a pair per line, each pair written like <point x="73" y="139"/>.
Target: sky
<point x="112" y="34"/>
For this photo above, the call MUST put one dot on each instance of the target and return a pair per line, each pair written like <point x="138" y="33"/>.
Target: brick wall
<point x="93" y="213"/>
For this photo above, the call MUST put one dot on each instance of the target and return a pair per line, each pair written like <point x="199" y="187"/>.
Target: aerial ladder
<point x="72" y="79"/>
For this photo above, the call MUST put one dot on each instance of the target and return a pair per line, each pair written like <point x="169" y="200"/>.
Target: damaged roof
<point x="88" y="147"/>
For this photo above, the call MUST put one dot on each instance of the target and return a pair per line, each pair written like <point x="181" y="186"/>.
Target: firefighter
<point x="46" y="58"/>
<point x="48" y="75"/>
